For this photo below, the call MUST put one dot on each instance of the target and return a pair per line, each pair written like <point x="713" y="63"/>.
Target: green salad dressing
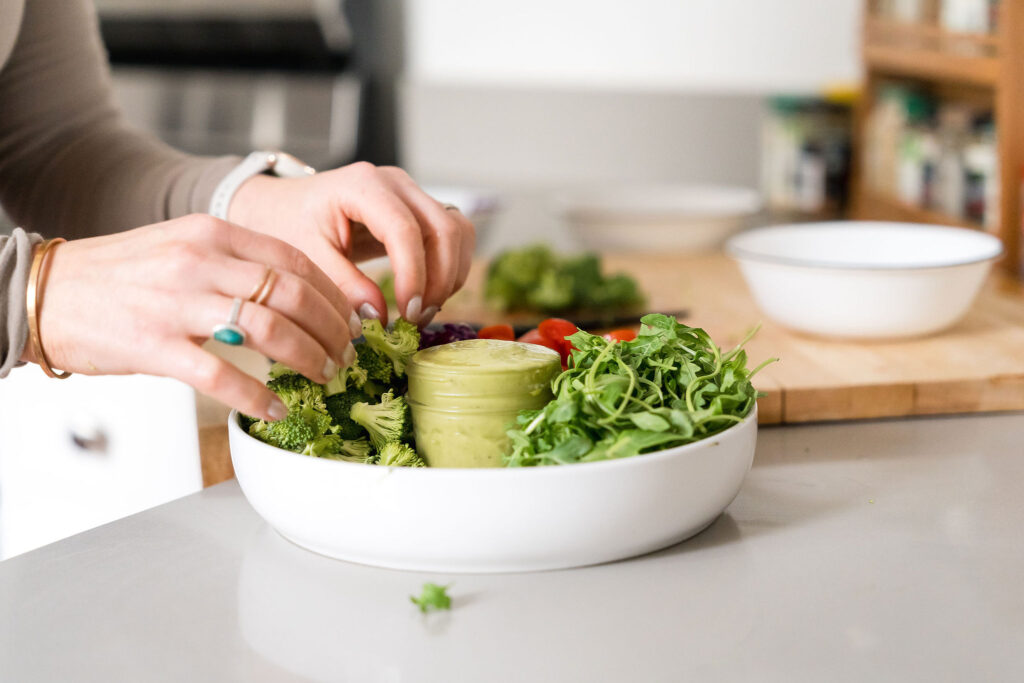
<point x="465" y="395"/>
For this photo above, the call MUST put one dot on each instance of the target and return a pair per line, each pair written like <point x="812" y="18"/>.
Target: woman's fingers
<point x="292" y="297"/>
<point x="255" y="247"/>
<point x="362" y="292"/>
<point x="266" y="331"/>
<point x="365" y="197"/>
<point x="220" y="379"/>
<point x="442" y="232"/>
<point x="466" y="252"/>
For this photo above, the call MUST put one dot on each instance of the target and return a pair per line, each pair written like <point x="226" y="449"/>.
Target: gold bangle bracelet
<point x="34" y="303"/>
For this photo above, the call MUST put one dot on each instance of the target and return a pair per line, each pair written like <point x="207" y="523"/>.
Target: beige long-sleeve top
<point x="69" y="165"/>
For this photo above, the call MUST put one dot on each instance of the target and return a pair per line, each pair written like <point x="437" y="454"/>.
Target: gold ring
<point x="450" y="207"/>
<point x="267" y="270"/>
<point x="268" y="286"/>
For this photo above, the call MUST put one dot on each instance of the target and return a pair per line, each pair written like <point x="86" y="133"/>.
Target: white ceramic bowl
<point x="658" y="217"/>
<point x="865" y="279"/>
<point x="493" y="520"/>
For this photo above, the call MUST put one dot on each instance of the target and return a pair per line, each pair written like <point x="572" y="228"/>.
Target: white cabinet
<point x="85" y="451"/>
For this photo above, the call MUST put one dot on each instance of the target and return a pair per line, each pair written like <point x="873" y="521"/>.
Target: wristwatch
<point x="277" y="163"/>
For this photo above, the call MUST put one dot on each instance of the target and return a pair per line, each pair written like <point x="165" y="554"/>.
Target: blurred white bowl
<point x="493" y="520"/>
<point x="478" y="205"/>
<point x="657" y="217"/>
<point x="865" y="279"/>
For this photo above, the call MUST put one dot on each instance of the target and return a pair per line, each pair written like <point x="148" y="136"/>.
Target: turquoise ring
<point x="230" y="333"/>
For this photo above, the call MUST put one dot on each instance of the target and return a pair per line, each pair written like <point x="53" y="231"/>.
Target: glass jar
<point x="465" y="395"/>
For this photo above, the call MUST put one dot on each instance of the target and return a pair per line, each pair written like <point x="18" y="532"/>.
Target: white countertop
<point x="881" y="551"/>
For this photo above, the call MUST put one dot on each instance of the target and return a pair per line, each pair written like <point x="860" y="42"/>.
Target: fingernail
<point x="277" y="410"/>
<point x="355" y="325"/>
<point x="348" y="356"/>
<point x="428" y="314"/>
<point x="368" y="311"/>
<point x="330" y="369"/>
<point x="414" y="308"/>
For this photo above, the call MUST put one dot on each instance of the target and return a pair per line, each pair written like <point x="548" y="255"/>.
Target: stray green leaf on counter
<point x="433" y="597"/>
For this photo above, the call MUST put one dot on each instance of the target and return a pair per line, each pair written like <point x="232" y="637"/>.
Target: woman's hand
<point x="143" y="301"/>
<point x="360" y="211"/>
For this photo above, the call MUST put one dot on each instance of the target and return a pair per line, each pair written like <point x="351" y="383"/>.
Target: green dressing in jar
<point x="465" y="395"/>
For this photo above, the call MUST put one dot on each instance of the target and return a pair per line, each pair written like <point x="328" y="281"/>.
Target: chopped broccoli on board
<point x="535" y="278"/>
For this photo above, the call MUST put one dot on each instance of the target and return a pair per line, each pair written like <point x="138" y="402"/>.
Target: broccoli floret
<point x="534" y="278"/>
<point x="307" y="416"/>
<point x="334" y="447"/>
<point x="386" y="421"/>
<point x="397" y="454"/>
<point x="278" y="369"/>
<point x="339" y="406"/>
<point x="246" y="421"/>
<point x="398" y="344"/>
<point x="378" y="366"/>
<point x="295" y="390"/>
<point x="302" y="425"/>
<point x="514" y="273"/>
<point x="552" y="292"/>
<point x="352" y="376"/>
<point x="616" y="291"/>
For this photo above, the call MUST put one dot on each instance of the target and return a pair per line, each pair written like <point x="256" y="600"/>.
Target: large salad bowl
<point x="494" y="519"/>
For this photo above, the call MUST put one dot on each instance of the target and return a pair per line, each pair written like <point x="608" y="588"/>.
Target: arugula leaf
<point x="433" y="597"/>
<point x="670" y="386"/>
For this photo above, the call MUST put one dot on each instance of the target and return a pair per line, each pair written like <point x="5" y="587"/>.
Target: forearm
<point x="68" y="164"/>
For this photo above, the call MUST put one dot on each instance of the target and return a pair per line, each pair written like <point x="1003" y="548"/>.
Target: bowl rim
<point x="462" y="472"/>
<point x="740" y="253"/>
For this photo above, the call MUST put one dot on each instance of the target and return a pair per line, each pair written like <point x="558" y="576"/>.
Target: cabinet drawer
<point x="78" y="453"/>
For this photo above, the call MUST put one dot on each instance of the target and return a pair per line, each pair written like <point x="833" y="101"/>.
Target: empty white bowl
<point x="657" y="217"/>
<point x="493" y="520"/>
<point x="865" y="279"/>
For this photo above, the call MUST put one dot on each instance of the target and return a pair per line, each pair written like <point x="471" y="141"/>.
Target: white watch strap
<point x="282" y="165"/>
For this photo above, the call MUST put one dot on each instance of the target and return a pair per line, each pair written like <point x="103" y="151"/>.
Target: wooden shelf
<point x="968" y="67"/>
<point x="879" y="206"/>
<point x="932" y="65"/>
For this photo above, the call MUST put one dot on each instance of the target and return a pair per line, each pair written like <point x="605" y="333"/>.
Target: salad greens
<point x="670" y="386"/>
<point x="433" y="597"/>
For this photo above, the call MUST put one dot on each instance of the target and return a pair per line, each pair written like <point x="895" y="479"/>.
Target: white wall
<point x="718" y="45"/>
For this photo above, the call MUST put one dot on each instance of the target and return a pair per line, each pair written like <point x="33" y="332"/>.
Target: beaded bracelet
<point x="34" y="303"/>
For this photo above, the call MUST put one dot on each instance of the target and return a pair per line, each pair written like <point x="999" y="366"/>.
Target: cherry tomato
<point x="557" y="329"/>
<point x="497" y="332"/>
<point x="620" y="335"/>
<point x="535" y="337"/>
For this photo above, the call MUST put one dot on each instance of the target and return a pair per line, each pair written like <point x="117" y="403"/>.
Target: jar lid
<point x="477" y="368"/>
<point x="484" y="355"/>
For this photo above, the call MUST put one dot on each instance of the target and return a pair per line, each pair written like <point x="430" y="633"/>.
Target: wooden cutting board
<point x="977" y="366"/>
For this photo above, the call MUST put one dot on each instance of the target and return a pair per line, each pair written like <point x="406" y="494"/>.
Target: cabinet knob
<point x="87" y="434"/>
